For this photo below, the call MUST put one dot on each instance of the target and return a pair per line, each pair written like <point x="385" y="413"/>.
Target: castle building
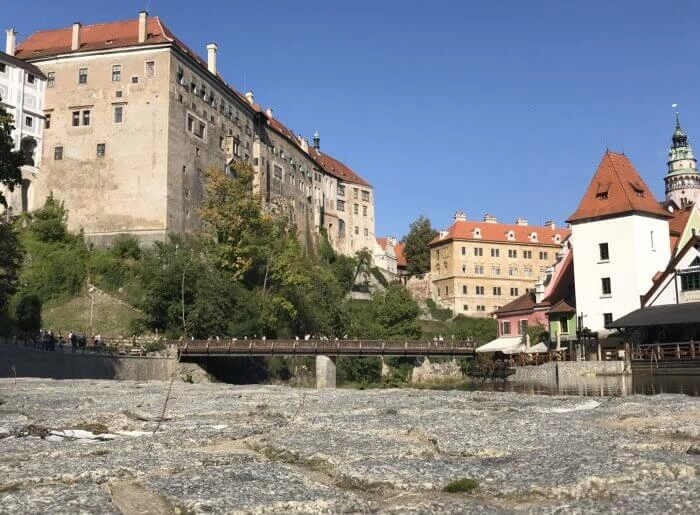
<point x="478" y="267"/>
<point x="134" y="118"/>
<point x="22" y="88"/>
<point x="682" y="180"/>
<point x="620" y="234"/>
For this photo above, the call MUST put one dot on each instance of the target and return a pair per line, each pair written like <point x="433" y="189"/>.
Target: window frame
<point x="101" y="150"/>
<point x="606" y="286"/>
<point x="82" y="75"/>
<point x="116" y="73"/>
<point x="604" y="252"/>
<point x="58" y="153"/>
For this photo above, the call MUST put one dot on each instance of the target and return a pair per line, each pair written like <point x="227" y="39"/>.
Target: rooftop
<point x="505" y="233"/>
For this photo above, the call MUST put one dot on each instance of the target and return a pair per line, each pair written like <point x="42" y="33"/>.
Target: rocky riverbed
<point x="87" y="446"/>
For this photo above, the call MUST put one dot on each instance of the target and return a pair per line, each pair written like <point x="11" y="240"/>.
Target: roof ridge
<point x="164" y="29"/>
<point x="617" y="174"/>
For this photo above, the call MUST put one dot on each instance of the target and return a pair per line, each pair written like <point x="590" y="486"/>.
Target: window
<point x="58" y="153"/>
<point x="479" y="269"/>
<point x="50" y="79"/>
<point x="100" y="150"/>
<point x="607" y="319"/>
<point x="495" y="270"/>
<point x="86" y="117"/>
<point x="135" y="79"/>
<point x="522" y="326"/>
<point x="690" y="281"/>
<point x="505" y="327"/>
<point x="365" y="196"/>
<point x="447" y="290"/>
<point x="193" y="87"/>
<point x="464" y="289"/>
<point x="543" y="255"/>
<point x="340" y="205"/>
<point x="605" y="283"/>
<point x="221" y="143"/>
<point x="357" y="230"/>
<point x="31" y="79"/>
<point x="651" y="235"/>
<point x="481" y="308"/>
<point x="564" y="325"/>
<point x="341" y="190"/>
<point x="513" y="292"/>
<point x="497" y="291"/>
<point x="527" y="254"/>
<point x="464" y="251"/>
<point x="277" y="171"/>
<point x="512" y="253"/>
<point x="604" y="252"/>
<point x="82" y="76"/>
<point x="118" y="114"/>
<point x="3" y="68"/>
<point x="356" y="209"/>
<point x="196" y="126"/>
<point x="28" y="121"/>
<point x="464" y="269"/>
<point x="478" y="251"/>
<point x="150" y="69"/>
<point x="366" y="231"/>
<point x="341" y="228"/>
<point x="364" y="210"/>
<point x="479" y="290"/>
<point x="528" y="271"/>
<point x="495" y="252"/>
<point x="116" y="73"/>
<point x="465" y="307"/>
<point x="180" y="74"/>
<point x="512" y="271"/>
<point x="47" y="121"/>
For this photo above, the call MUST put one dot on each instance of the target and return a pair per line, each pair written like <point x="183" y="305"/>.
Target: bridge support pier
<point x="325" y="373"/>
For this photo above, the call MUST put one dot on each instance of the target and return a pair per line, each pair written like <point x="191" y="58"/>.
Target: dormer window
<point x="557" y="238"/>
<point x="476" y="232"/>
<point x="602" y="191"/>
<point x="533" y="236"/>
<point x="510" y="235"/>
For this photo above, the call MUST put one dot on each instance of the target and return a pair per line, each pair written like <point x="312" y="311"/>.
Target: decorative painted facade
<point x="682" y="180"/>
<point x="22" y="87"/>
<point x="478" y="267"/>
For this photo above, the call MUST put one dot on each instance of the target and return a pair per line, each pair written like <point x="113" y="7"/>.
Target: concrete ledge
<point x="567" y="370"/>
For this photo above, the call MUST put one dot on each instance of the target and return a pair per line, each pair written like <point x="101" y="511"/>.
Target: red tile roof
<point x="336" y="168"/>
<point x="383" y="242"/>
<point x="101" y="36"/>
<point x="464" y="230"/>
<point x="400" y="256"/>
<point x="677" y="224"/>
<point x="616" y="189"/>
<point x="567" y="305"/>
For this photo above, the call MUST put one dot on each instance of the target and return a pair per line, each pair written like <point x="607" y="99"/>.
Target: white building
<point x="22" y="87"/>
<point x="621" y="236"/>
<point x="384" y="257"/>
<point x="680" y="282"/>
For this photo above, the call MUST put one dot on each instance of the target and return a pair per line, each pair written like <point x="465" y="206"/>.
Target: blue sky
<point x="503" y="107"/>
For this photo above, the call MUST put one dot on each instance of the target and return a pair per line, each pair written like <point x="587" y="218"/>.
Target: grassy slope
<point x="109" y="316"/>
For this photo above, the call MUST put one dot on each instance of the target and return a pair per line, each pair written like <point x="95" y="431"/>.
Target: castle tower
<point x="682" y="180"/>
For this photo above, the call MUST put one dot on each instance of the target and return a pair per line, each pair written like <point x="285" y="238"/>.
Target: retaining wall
<point x="563" y="370"/>
<point x="29" y="362"/>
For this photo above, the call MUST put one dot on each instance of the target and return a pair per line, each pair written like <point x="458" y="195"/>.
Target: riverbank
<point x="275" y="449"/>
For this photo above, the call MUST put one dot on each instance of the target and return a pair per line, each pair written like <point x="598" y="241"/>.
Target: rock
<point x="436" y="372"/>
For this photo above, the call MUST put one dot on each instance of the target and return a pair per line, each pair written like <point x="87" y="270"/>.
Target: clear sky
<point x="502" y="107"/>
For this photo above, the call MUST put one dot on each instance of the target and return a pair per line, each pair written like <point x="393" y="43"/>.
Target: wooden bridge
<point x="409" y="348"/>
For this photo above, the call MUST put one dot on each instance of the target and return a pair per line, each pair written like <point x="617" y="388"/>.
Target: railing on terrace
<point x="666" y="351"/>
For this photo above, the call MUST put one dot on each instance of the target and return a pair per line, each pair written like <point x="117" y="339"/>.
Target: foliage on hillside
<point x="10" y="159"/>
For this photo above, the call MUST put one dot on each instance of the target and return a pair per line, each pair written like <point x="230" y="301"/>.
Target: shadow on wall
<point x="28" y="362"/>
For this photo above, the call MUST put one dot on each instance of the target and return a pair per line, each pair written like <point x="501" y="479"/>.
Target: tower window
<point x="605" y="286"/>
<point x="604" y="252"/>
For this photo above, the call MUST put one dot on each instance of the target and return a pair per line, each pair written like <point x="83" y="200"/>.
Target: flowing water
<point x="598" y="386"/>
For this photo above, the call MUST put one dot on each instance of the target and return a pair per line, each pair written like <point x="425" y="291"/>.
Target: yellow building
<point x="477" y="267"/>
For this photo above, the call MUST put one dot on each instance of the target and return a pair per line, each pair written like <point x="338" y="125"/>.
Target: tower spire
<point x="682" y="180"/>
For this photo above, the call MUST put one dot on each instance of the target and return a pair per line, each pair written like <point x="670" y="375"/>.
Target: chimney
<point x="268" y="113"/>
<point x="143" y="22"/>
<point x="75" y="41"/>
<point x="304" y="144"/>
<point x="460" y="216"/>
<point x="250" y="97"/>
<point x="520" y="221"/>
<point x="490" y="219"/>
<point x="443" y="234"/>
<point x="549" y="224"/>
<point x="317" y="141"/>
<point x="211" y="57"/>
<point x="11" y="42"/>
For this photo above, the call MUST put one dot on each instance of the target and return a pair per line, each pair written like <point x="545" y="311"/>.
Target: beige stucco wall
<point x="124" y="191"/>
<point x="447" y="272"/>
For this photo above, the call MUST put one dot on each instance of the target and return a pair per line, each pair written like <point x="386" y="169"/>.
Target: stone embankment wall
<point x="435" y="372"/>
<point x="563" y="370"/>
<point x="29" y="362"/>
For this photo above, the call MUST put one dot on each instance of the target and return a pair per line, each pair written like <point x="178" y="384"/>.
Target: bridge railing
<point x="324" y="347"/>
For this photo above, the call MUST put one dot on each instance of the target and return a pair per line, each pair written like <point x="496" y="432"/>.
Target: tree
<point x="396" y="312"/>
<point x="28" y="313"/>
<point x="10" y="261"/>
<point x="416" y="247"/>
<point x="10" y="160"/>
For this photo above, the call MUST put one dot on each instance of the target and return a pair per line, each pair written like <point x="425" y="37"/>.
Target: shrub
<point x="359" y="370"/>
<point x="126" y="247"/>
<point x="106" y="270"/>
<point x="437" y="312"/>
<point x="154" y="346"/>
<point x="461" y="485"/>
<point x="28" y="312"/>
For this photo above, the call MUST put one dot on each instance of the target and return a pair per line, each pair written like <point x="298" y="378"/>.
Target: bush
<point x="28" y="313"/>
<point x="154" y="346"/>
<point x="359" y="370"/>
<point x="106" y="270"/>
<point x="437" y="312"/>
<point x="461" y="485"/>
<point x="126" y="247"/>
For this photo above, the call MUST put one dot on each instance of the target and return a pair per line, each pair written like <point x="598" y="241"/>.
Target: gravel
<point x="271" y="449"/>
